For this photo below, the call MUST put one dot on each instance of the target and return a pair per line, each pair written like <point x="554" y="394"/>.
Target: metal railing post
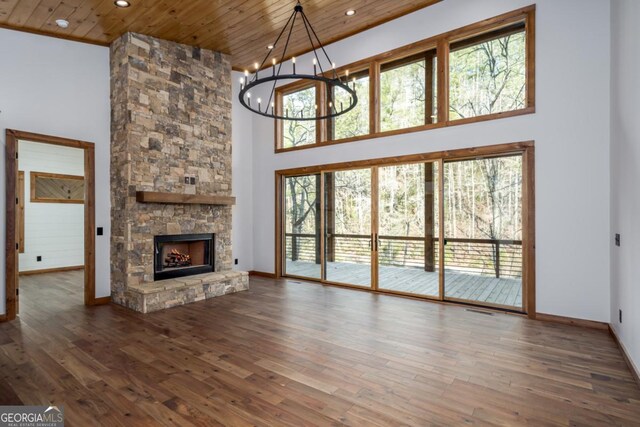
<point x="497" y="263"/>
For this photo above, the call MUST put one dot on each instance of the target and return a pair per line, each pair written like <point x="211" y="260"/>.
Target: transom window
<point x="484" y="71"/>
<point x="355" y="122"/>
<point x="487" y="74"/>
<point x="295" y="104"/>
<point x="407" y="92"/>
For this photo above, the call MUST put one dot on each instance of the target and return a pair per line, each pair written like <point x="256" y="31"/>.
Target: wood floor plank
<point x="295" y="353"/>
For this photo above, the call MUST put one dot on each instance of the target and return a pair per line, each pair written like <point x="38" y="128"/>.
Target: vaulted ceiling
<point x="242" y="28"/>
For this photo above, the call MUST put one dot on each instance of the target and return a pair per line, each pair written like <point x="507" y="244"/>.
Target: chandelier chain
<point x="284" y="52"/>
<point x="306" y="21"/>
<point x="313" y="47"/>
<point x="277" y="40"/>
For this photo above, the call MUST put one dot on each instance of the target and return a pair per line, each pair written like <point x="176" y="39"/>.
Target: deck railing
<point x="487" y="257"/>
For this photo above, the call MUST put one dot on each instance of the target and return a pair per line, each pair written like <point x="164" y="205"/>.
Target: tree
<point x="356" y="121"/>
<point x="484" y="202"/>
<point x="301" y="207"/>
<point x="488" y="77"/>
<point x="402" y="95"/>
<point x="301" y="103"/>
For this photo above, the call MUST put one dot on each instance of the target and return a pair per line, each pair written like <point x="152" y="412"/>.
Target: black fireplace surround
<point x="183" y="255"/>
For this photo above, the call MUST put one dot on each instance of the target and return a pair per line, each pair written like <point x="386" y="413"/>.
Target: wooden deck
<point x="503" y="291"/>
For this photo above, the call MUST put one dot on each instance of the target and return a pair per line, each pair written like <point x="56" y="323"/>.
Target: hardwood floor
<point x="293" y="353"/>
<point x="36" y="291"/>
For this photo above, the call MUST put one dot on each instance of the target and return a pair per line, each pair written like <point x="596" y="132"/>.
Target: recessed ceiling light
<point x="350" y="12"/>
<point x="122" y="3"/>
<point x="270" y="47"/>
<point x="62" y="23"/>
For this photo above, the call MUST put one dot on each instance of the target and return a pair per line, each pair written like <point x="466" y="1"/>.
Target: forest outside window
<point x="355" y="122"/>
<point x="407" y="92"/>
<point x="487" y="73"/>
<point x="483" y="71"/>
<point x="302" y="225"/>
<point x="295" y="104"/>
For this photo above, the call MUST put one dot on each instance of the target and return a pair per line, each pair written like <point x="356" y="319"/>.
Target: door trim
<point x="11" y="251"/>
<point x="20" y="213"/>
<point x="525" y="148"/>
<point x="11" y="167"/>
<point x="441" y="230"/>
<point x="375" y="229"/>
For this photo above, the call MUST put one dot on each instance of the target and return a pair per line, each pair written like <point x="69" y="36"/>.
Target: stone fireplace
<point x="171" y="134"/>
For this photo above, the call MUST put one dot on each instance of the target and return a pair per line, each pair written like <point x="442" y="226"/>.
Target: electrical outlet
<point x="193" y="180"/>
<point x="186" y="179"/>
<point x="617" y="239"/>
<point x="39" y="258"/>
<point x="620" y="315"/>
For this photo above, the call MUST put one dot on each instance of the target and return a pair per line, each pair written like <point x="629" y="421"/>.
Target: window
<point x="487" y="74"/>
<point x="355" y="122"/>
<point x="406" y="92"/>
<point x="483" y="71"/>
<point x="298" y="104"/>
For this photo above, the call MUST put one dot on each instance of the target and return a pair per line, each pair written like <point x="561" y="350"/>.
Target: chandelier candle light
<point x="330" y="78"/>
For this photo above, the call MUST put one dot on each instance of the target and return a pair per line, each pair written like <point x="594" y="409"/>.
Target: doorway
<point x="453" y="226"/>
<point x="47" y="187"/>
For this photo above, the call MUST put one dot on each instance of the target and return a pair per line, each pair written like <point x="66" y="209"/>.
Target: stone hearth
<point x="148" y="297"/>
<point x="171" y="120"/>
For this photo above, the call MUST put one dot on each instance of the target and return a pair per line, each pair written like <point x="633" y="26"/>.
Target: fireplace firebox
<point x="183" y="255"/>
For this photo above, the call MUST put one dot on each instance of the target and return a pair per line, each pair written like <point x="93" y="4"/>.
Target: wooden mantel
<point x="193" y="199"/>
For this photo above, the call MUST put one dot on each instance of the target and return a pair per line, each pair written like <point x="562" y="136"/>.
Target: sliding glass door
<point x="408" y="229"/>
<point x="301" y="209"/>
<point x="483" y="231"/>
<point x="442" y="229"/>
<point x="348" y="232"/>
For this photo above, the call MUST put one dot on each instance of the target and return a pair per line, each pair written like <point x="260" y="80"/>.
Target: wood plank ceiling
<point x="242" y="28"/>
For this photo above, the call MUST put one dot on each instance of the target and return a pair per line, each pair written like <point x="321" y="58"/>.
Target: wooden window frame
<point x="34" y="175"/>
<point x="21" y="196"/>
<point x="525" y="148"/>
<point x="442" y="43"/>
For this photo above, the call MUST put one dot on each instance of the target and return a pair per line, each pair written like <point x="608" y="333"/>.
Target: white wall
<point x="625" y="173"/>
<point x="570" y="127"/>
<point x="54" y="231"/>
<point x="242" y="176"/>
<point x="60" y="88"/>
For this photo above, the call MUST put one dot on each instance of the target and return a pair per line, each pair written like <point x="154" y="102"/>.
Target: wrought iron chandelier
<point x="273" y="76"/>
